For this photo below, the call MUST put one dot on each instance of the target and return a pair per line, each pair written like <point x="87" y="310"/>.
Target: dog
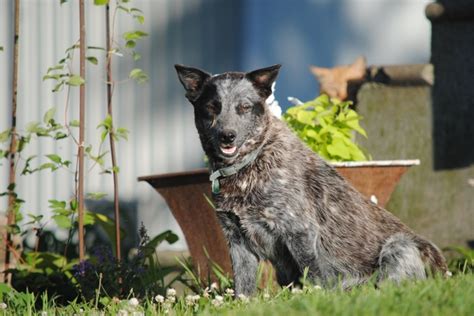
<point x="277" y="200"/>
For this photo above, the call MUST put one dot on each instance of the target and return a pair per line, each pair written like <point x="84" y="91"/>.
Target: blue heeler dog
<point x="277" y="200"/>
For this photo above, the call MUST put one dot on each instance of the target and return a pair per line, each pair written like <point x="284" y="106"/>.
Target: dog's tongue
<point x="228" y="151"/>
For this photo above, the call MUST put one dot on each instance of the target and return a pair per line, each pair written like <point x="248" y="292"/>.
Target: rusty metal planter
<point x="185" y="193"/>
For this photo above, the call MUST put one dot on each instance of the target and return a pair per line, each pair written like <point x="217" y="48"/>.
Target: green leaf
<point x="136" y="56"/>
<point x="352" y="120"/>
<point x="62" y="221"/>
<point x="75" y="80"/>
<point x="139" y="75"/>
<point x="338" y="148"/>
<point x="101" y="2"/>
<point x="92" y="60"/>
<point x="140" y="19"/>
<point x="49" y="115"/>
<point x="89" y="218"/>
<point x="55" y="158"/>
<point x="60" y="135"/>
<point x="124" y="9"/>
<point x="54" y="204"/>
<point x="130" y="44"/>
<point x="1" y="48"/>
<point x="95" y="47"/>
<point x="5" y="135"/>
<point x="74" y="123"/>
<point x="122" y="133"/>
<point x="73" y="205"/>
<point x="48" y="165"/>
<point x="134" y="35"/>
<point x="106" y="123"/>
<point x="58" y="86"/>
<point x="151" y="246"/>
<point x="96" y="195"/>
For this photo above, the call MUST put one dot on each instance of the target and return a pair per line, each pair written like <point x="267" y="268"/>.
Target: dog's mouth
<point x="228" y="150"/>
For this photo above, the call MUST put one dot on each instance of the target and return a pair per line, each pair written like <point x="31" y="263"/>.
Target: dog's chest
<point x="259" y="220"/>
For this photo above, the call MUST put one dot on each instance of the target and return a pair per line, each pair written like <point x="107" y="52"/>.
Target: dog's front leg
<point x="301" y="247"/>
<point x="244" y="261"/>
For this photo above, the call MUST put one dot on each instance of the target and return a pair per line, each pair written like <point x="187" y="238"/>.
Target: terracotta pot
<point x="185" y="193"/>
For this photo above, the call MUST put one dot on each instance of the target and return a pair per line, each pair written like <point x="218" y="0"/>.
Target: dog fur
<point x="289" y="206"/>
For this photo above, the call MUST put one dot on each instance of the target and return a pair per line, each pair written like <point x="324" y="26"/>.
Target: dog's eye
<point x="245" y="107"/>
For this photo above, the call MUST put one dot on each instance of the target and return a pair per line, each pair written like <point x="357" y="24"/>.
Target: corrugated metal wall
<point x="162" y="137"/>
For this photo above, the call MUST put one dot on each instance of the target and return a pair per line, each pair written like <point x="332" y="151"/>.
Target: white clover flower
<point x="122" y="312"/>
<point x="266" y="295"/>
<point x="273" y="104"/>
<point x="43" y="313"/>
<point x="133" y="302"/>
<point x="214" y="286"/>
<point x="317" y="287"/>
<point x="448" y="274"/>
<point x="296" y="290"/>
<point x="166" y="307"/>
<point x="170" y="292"/>
<point x="3" y="306"/>
<point x="159" y="299"/>
<point x="242" y="297"/>
<point x="229" y="292"/>
<point x="217" y="301"/>
<point x="191" y="299"/>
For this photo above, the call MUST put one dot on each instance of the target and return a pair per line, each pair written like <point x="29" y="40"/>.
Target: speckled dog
<point x="277" y="200"/>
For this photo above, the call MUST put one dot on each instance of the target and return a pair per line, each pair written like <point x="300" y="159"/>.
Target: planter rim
<point x="202" y="175"/>
<point x="377" y="163"/>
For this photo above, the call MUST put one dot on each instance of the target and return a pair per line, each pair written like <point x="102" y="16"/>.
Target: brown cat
<point x="335" y="81"/>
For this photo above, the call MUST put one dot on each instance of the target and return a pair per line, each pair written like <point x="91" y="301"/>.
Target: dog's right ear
<point x="192" y="80"/>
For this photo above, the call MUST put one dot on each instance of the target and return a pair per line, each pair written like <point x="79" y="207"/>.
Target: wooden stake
<point x="111" y="134"/>
<point x="82" y="116"/>
<point x="13" y="144"/>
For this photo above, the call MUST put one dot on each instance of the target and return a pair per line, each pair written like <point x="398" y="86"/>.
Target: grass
<point x="454" y="296"/>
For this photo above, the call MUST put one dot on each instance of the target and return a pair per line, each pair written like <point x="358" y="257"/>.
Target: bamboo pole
<point x="111" y="134"/>
<point x="13" y="143"/>
<point x="82" y="115"/>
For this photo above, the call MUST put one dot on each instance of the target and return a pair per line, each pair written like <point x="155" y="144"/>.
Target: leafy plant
<point x="141" y="276"/>
<point x="462" y="261"/>
<point x="65" y="212"/>
<point x="327" y="126"/>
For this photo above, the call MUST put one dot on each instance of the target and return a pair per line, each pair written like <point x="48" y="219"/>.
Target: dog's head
<point x="230" y="111"/>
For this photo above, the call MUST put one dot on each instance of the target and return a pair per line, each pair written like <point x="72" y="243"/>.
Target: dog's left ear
<point x="192" y="80"/>
<point x="264" y="78"/>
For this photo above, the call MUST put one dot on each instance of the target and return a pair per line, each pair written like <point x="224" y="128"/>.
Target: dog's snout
<point x="227" y="136"/>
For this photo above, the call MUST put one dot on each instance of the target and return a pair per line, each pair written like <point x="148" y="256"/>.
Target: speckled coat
<point x="289" y="206"/>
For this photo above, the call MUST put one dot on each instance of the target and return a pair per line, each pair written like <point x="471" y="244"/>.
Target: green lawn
<point x="454" y="297"/>
<point x="432" y="297"/>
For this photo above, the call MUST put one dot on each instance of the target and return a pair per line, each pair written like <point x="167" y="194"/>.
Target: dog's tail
<point x="433" y="258"/>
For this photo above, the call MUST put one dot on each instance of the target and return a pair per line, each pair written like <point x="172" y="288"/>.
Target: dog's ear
<point x="264" y="78"/>
<point x="192" y="80"/>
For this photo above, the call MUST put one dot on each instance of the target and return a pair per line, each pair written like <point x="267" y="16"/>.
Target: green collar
<point x="228" y="171"/>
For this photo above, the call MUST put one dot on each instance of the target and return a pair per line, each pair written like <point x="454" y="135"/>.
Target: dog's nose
<point x="227" y="136"/>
